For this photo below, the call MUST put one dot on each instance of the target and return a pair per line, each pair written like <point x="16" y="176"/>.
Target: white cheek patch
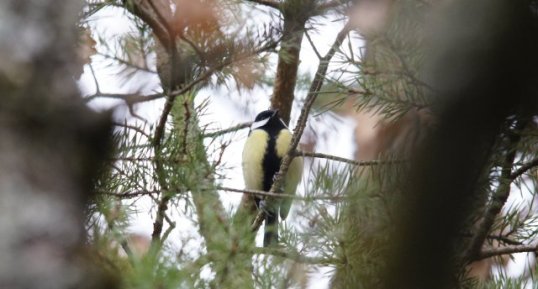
<point x="258" y="124"/>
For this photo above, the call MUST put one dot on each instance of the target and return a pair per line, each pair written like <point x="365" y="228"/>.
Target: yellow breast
<point x="253" y="154"/>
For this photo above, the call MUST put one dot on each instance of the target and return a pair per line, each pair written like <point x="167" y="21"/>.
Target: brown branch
<point x="524" y="168"/>
<point x="143" y="10"/>
<point x="491" y="252"/>
<point x="162" y="206"/>
<point x="311" y="96"/>
<point x="171" y="227"/>
<point x="288" y="57"/>
<point x="296" y="256"/>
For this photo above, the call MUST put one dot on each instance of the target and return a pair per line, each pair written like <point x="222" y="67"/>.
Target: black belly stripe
<point x="271" y="162"/>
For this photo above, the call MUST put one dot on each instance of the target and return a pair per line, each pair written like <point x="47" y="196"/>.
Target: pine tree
<point x="455" y="138"/>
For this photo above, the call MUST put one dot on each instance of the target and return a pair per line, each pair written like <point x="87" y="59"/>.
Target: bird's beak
<point x="275" y="113"/>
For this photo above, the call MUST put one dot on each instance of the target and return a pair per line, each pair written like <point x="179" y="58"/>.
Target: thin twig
<point x="171" y="227"/>
<point x="132" y="127"/>
<point x="524" y="168"/>
<point x="132" y="159"/>
<point x="126" y="63"/>
<point x="297" y="257"/>
<point x="187" y="117"/>
<point x="228" y="130"/>
<point x="129" y="98"/>
<point x="279" y="195"/>
<point x="268" y="3"/>
<point x="128" y="195"/>
<point x="490" y="252"/>
<point x="312" y="45"/>
<point x="344" y="160"/>
<point x="97" y="89"/>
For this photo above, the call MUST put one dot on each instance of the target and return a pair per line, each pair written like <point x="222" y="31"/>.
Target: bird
<point x="268" y="142"/>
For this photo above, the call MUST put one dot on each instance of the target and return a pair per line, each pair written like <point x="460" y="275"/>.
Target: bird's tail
<point x="270" y="236"/>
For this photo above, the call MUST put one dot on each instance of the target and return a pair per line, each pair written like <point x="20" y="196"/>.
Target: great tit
<point x="268" y="142"/>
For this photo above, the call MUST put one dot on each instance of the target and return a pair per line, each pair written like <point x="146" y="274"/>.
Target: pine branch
<point x="491" y="252"/>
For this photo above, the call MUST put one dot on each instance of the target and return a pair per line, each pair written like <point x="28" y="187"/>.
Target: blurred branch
<point x="524" y="168"/>
<point x="331" y="4"/>
<point x="490" y="252"/>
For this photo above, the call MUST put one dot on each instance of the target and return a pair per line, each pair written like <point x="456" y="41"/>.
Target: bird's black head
<point x="266" y="119"/>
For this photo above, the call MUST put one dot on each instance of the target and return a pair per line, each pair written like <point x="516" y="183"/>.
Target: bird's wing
<point x="293" y="178"/>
